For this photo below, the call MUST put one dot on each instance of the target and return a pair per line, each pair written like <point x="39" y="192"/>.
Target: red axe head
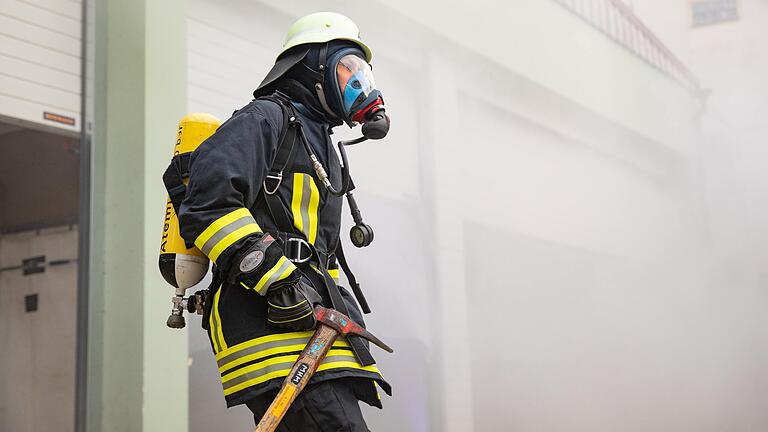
<point x="345" y="326"/>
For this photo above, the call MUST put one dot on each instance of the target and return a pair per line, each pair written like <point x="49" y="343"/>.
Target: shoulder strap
<point x="283" y="158"/>
<point x="359" y="345"/>
<point x="339" y="253"/>
<point x="173" y="179"/>
<point x="286" y="143"/>
<point x="178" y="169"/>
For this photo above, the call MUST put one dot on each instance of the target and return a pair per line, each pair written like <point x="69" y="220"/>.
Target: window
<point x="707" y="12"/>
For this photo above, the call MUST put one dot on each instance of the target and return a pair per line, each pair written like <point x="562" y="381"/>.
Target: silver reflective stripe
<point x="259" y="348"/>
<point x="306" y="195"/>
<point x="277" y="367"/>
<point x="215" y="323"/>
<point x="214" y="339"/>
<point x="338" y="358"/>
<point x="259" y="373"/>
<point x="225" y="231"/>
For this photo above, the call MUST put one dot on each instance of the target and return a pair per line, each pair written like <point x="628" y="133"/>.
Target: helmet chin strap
<point x="322" y="59"/>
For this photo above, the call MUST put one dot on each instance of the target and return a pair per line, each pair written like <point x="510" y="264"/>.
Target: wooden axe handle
<point x="297" y="379"/>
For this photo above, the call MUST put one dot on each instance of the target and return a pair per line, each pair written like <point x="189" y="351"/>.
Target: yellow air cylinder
<point x="181" y="267"/>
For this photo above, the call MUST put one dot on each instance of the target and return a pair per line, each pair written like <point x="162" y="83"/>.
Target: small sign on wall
<point x="33" y="265"/>
<point x="58" y="118"/>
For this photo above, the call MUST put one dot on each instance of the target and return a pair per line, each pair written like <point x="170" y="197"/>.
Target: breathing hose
<point x="377" y="127"/>
<point x="320" y="170"/>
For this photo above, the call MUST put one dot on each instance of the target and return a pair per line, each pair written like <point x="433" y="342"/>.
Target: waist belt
<point x="296" y="248"/>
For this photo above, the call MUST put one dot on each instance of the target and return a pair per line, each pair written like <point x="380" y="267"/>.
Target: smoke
<point x="569" y="237"/>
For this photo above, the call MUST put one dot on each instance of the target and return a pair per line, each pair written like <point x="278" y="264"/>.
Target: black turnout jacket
<point x="224" y="209"/>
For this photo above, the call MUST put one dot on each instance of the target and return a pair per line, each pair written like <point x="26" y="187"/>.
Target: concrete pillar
<point x="453" y="339"/>
<point x="137" y="378"/>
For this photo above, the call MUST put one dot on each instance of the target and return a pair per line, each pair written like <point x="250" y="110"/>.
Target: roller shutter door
<point x="40" y="62"/>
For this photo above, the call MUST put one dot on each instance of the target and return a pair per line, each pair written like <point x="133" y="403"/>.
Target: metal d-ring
<point x="278" y="177"/>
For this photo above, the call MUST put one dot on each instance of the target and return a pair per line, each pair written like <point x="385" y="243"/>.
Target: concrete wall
<point x="137" y="376"/>
<point x="37" y="365"/>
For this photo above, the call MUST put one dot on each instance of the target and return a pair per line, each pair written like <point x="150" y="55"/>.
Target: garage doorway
<point x="39" y="215"/>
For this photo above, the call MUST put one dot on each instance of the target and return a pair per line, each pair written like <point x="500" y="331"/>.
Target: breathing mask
<point x="349" y="93"/>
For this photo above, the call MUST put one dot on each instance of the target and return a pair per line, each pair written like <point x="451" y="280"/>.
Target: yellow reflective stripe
<point x="220" y="223"/>
<point x="314" y="201"/>
<point x="298" y="187"/>
<point x="304" y="204"/>
<point x="334" y="273"/>
<point x="214" y="338"/>
<point x="278" y="272"/>
<point x="233" y="360"/>
<point x="261" y="354"/>
<point x="277" y="360"/>
<point x="260" y="365"/>
<point x="264" y="339"/>
<point x="286" y="273"/>
<point x="220" y="331"/>
<point x="225" y="231"/>
<point x="259" y="380"/>
<point x="267" y="345"/>
<point x="231" y="239"/>
<point x="282" y="372"/>
<point x="217" y="334"/>
<point x="348" y="364"/>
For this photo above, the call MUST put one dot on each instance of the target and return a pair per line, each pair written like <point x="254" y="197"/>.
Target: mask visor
<point x="356" y="82"/>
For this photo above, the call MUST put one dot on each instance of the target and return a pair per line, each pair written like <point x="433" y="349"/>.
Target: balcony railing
<point x="618" y="22"/>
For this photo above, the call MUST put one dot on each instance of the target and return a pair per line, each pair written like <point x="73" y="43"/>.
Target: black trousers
<point x="330" y="406"/>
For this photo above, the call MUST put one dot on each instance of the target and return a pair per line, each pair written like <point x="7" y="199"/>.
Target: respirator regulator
<point x="359" y="102"/>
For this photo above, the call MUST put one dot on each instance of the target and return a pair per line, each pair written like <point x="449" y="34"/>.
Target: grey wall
<point x="37" y="362"/>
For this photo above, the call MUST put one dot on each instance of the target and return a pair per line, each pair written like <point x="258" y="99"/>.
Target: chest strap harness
<point x="295" y="247"/>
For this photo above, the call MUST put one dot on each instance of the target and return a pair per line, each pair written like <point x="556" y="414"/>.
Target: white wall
<point x="37" y="362"/>
<point x="40" y="60"/>
<point x="536" y="201"/>
<point x="543" y="42"/>
<point x="729" y="61"/>
<point x="228" y="53"/>
<point x="732" y="65"/>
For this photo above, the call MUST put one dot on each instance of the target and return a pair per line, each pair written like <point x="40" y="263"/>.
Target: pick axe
<point x="331" y="324"/>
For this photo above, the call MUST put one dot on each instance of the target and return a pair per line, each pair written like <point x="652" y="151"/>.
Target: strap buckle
<point x="277" y="178"/>
<point x="298" y="250"/>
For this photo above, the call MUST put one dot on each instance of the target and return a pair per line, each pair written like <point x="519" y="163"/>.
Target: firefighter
<point x="264" y="203"/>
